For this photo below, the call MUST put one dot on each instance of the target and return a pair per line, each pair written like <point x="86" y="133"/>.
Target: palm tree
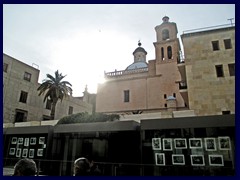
<point x="54" y="89"/>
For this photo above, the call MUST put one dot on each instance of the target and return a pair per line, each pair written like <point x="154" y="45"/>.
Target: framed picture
<point x="14" y="140"/>
<point x="156" y="143"/>
<point x="224" y="143"/>
<point x="12" y="151"/>
<point x="41" y="140"/>
<point x="40" y="152"/>
<point x="178" y="159"/>
<point x="160" y="159"/>
<point x="195" y="143"/>
<point x="197" y="160"/>
<point x="31" y="153"/>
<point x="167" y="144"/>
<point x="26" y="142"/>
<point x="32" y="141"/>
<point x="180" y="143"/>
<point x="210" y="144"/>
<point x="18" y="153"/>
<point x="216" y="160"/>
<point x="20" y="140"/>
<point x="25" y="153"/>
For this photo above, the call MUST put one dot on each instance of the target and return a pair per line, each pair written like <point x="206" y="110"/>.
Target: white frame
<point x="227" y="139"/>
<point x="206" y="144"/>
<point x="12" y="151"/>
<point x="180" y="139"/>
<point x="14" y="140"/>
<point x="197" y="164"/>
<point x="26" y="142"/>
<point x="195" y="147"/>
<point x="24" y="152"/>
<point x="18" y="152"/>
<point x="41" y="140"/>
<point x="178" y="163"/>
<point x="33" y="140"/>
<point x="20" y="140"/>
<point x="162" y="157"/>
<point x="40" y="152"/>
<point x="214" y="156"/>
<point x="31" y="153"/>
<point x="169" y="141"/>
<point x="154" y="147"/>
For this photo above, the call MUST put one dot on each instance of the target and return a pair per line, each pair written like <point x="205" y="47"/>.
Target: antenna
<point x="231" y="19"/>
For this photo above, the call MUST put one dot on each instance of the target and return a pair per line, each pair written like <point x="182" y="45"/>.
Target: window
<point x="126" y="96"/>
<point x="27" y="76"/>
<point x="169" y="51"/>
<point x="215" y="45"/>
<point x="174" y="94"/>
<point x="48" y="104"/>
<point x="165" y="34"/>
<point x="5" y="67"/>
<point x="219" y="70"/>
<point x="165" y="96"/>
<point x="227" y="43"/>
<point x="226" y="112"/>
<point x="165" y="105"/>
<point x="23" y="97"/>
<point x="231" y="68"/>
<point x="70" y="110"/>
<point x="20" y="116"/>
<point x="162" y="53"/>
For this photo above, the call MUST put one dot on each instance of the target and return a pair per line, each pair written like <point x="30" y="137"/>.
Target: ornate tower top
<point x="165" y="19"/>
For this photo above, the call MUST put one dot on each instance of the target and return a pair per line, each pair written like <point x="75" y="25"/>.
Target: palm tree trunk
<point x="53" y="110"/>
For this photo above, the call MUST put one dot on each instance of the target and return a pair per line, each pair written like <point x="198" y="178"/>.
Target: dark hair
<point x="81" y="167"/>
<point x="25" y="167"/>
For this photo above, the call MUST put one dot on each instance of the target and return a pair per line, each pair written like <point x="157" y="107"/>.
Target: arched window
<point x="162" y="53"/>
<point x="169" y="51"/>
<point x="165" y="34"/>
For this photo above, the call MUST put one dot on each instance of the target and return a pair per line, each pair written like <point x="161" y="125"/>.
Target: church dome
<point x="137" y="65"/>
<point x="140" y="49"/>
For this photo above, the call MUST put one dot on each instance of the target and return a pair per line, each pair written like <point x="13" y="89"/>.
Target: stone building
<point x="170" y="86"/>
<point x="146" y="87"/>
<point x="209" y="70"/>
<point x="21" y="102"/>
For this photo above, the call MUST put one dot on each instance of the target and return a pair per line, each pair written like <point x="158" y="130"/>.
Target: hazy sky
<point x="82" y="41"/>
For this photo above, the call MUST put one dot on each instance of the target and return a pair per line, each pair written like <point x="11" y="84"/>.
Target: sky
<point x="83" y="41"/>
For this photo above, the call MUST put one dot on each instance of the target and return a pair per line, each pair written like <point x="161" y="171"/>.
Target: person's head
<point x="81" y="167"/>
<point x="25" y="167"/>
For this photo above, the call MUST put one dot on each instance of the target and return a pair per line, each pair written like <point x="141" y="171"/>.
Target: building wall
<point x="207" y="93"/>
<point x="14" y="83"/>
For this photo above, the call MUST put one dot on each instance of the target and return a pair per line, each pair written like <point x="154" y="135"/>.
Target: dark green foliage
<point x="88" y="118"/>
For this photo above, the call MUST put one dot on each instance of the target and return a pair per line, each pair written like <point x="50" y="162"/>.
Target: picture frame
<point x="210" y="144"/>
<point x="26" y="142"/>
<point x="156" y="144"/>
<point x="167" y="144"/>
<point x="180" y="143"/>
<point x="24" y="152"/>
<point x="197" y="160"/>
<point x="41" y="140"/>
<point x="20" y="140"/>
<point x="31" y="153"/>
<point x="195" y="143"/>
<point x="14" y="140"/>
<point x="40" y="152"/>
<point x="18" y="152"/>
<point x="215" y="160"/>
<point x="32" y="140"/>
<point x="224" y="143"/>
<point x="160" y="159"/>
<point x="12" y="151"/>
<point x="178" y="159"/>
